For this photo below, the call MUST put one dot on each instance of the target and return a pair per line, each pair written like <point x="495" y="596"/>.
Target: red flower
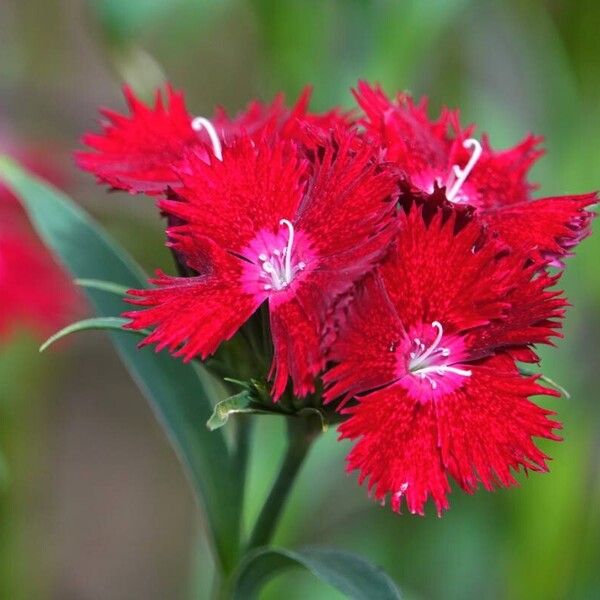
<point x="430" y="342"/>
<point x="137" y="153"/>
<point x="265" y="224"/>
<point x="440" y="154"/>
<point x="34" y="291"/>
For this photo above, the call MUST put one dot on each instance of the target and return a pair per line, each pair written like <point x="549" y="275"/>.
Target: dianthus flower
<point x="262" y="223"/>
<point x="442" y="156"/>
<point x="428" y="351"/>
<point x="136" y="153"/>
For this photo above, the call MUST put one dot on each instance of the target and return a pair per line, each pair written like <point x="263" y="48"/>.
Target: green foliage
<point x="96" y="323"/>
<point x="352" y="575"/>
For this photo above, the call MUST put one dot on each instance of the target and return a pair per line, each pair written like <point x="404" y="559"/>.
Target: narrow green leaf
<point x="349" y="573"/>
<point x="176" y="392"/>
<point x="97" y="323"/>
<point x="104" y="286"/>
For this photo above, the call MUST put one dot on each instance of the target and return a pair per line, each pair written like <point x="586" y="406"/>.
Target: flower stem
<point x="302" y="431"/>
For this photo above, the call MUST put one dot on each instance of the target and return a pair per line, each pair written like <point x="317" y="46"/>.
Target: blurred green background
<point x="93" y="504"/>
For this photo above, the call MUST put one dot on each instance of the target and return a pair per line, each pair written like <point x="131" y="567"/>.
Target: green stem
<point x="242" y="453"/>
<point x="302" y="432"/>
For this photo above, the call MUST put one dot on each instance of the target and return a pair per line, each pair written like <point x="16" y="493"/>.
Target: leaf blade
<point x="347" y="572"/>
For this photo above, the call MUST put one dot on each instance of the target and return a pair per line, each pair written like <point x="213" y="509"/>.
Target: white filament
<point x="200" y="123"/>
<point x="288" y="249"/>
<point x="278" y="266"/>
<point x="462" y="174"/>
<point x="417" y="363"/>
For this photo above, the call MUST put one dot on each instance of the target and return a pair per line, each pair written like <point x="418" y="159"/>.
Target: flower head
<point x="264" y="224"/>
<point x="429" y="346"/>
<point x="442" y="155"/>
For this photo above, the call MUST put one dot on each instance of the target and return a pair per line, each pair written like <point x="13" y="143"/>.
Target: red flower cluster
<point x="401" y="260"/>
<point x="34" y="291"/>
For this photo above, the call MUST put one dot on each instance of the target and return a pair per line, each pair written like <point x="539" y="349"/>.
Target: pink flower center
<point x="429" y="363"/>
<point x="274" y="261"/>
<point x="433" y="361"/>
<point x="277" y="268"/>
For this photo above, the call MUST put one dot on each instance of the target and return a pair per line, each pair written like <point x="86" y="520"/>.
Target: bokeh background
<point x="93" y="504"/>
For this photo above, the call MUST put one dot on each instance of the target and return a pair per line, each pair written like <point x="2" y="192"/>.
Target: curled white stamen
<point x="200" y="123"/>
<point x="288" y="249"/>
<point x="462" y="174"/>
<point x="436" y="325"/>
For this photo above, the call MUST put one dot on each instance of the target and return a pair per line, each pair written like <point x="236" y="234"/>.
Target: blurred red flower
<point x="34" y="291"/>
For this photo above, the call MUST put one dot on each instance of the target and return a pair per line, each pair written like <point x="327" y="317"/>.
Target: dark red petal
<point x="348" y="200"/>
<point x="296" y="348"/>
<point x="405" y="130"/>
<point x="533" y="317"/>
<point x="486" y="427"/>
<point x="259" y="120"/>
<point x="438" y="274"/>
<point x="365" y="348"/>
<point x="397" y="449"/>
<point x="479" y="433"/>
<point x="548" y="228"/>
<point x="135" y="153"/>
<point x="255" y="186"/>
<point x="500" y="177"/>
<point x="191" y="316"/>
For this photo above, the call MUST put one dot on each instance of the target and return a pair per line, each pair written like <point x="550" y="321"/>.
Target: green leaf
<point x="240" y="403"/>
<point x="177" y="393"/>
<point x="106" y="286"/>
<point x="97" y="323"/>
<point x="347" y="572"/>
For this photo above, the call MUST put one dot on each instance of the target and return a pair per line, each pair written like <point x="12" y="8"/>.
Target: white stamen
<point x="418" y="365"/>
<point x="462" y="174"/>
<point x="437" y="325"/>
<point x="288" y="249"/>
<point x="276" y="264"/>
<point x="200" y="123"/>
<point x="442" y="369"/>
